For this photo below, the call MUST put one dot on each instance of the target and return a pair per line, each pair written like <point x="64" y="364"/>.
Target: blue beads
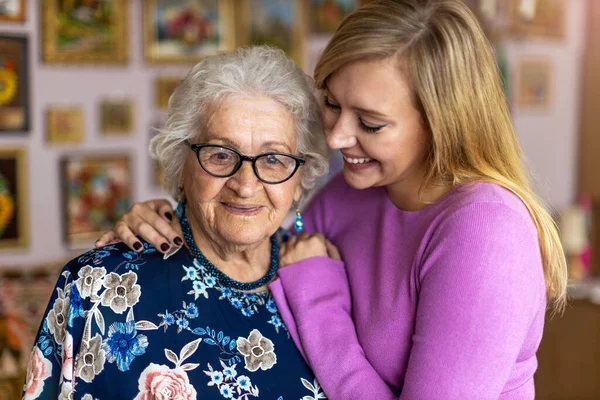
<point x="218" y="274"/>
<point x="299" y="223"/>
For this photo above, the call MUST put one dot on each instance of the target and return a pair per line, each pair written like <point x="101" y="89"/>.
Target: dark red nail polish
<point x="164" y="247"/>
<point x="169" y="216"/>
<point x="137" y="246"/>
<point x="178" y="241"/>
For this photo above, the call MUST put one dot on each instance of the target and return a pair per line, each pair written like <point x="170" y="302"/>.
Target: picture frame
<point x="164" y="86"/>
<point x="64" y="125"/>
<point x="280" y="23"/>
<point x="14" y="84"/>
<point x="534" y="79"/>
<point x="14" y="224"/>
<point x="326" y="15"/>
<point x="13" y="11"/>
<point x="116" y="117"/>
<point x="97" y="191"/>
<point x="79" y="34"/>
<point x="539" y="18"/>
<point x="185" y="31"/>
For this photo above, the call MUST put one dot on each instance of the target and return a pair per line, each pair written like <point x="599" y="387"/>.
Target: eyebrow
<point x="362" y="110"/>
<point x="271" y="143"/>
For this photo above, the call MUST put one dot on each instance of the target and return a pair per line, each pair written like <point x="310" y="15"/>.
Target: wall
<point x="549" y="139"/>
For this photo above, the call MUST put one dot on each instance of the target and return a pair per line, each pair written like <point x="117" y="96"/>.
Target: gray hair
<point x="252" y="71"/>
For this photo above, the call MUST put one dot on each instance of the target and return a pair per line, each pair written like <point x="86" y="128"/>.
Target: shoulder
<point x="111" y="257"/>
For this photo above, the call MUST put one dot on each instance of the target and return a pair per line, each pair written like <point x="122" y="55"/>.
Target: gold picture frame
<point x="164" y="86"/>
<point x="534" y="79"/>
<point x="116" y="117"/>
<point x="13" y="11"/>
<point x="64" y="125"/>
<point x="280" y="23"/>
<point x="208" y="28"/>
<point x="85" y="34"/>
<point x="14" y="224"/>
<point x="548" y="18"/>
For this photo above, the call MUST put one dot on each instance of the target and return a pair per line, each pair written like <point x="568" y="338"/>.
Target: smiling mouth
<point x="363" y="160"/>
<point x="242" y="209"/>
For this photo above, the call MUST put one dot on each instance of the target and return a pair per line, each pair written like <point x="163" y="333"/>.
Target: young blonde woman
<point x="449" y="259"/>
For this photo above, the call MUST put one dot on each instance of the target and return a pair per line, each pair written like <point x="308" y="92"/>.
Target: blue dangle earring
<point x="298" y="223"/>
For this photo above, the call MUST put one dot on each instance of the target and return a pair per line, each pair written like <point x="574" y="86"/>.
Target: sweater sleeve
<point x="314" y="300"/>
<point x="479" y="292"/>
<point x="481" y="287"/>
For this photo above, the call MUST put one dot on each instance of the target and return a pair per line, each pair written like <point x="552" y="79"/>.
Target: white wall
<point x="549" y="139"/>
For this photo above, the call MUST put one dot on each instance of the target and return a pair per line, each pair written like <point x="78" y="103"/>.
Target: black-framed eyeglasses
<point x="223" y="161"/>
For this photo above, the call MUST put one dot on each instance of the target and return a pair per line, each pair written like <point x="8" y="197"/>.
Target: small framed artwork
<point x="12" y="10"/>
<point x="13" y="199"/>
<point x="534" y="83"/>
<point x="184" y="31"/>
<point x="280" y="23"/>
<point x="116" y="117"/>
<point x="157" y="176"/>
<point x="97" y="192"/>
<point x="14" y="84"/>
<point x="326" y="15"/>
<point x="543" y="18"/>
<point x="64" y="125"/>
<point x="92" y="32"/>
<point x="164" y="86"/>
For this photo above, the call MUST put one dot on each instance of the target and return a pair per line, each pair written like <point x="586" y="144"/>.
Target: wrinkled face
<point x="370" y="117"/>
<point x="241" y="210"/>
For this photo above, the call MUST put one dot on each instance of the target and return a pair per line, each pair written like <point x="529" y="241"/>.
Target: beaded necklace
<point x="221" y="276"/>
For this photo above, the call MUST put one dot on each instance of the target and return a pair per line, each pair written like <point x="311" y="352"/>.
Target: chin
<point x="360" y="182"/>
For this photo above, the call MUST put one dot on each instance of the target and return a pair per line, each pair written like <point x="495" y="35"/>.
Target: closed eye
<point x="330" y="105"/>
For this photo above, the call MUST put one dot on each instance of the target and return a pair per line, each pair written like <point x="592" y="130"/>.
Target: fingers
<point x="108" y="237"/>
<point x="162" y="207"/>
<point x="332" y="250"/>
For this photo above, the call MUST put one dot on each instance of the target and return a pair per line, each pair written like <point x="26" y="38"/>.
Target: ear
<point x="298" y="192"/>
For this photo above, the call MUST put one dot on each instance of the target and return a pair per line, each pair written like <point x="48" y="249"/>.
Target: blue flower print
<point x="230" y="372"/>
<point x="102" y="254"/>
<point x="75" y="306"/>
<point x="182" y="323"/>
<point x="276" y="321"/>
<point x="216" y="378"/>
<point x="271" y="307"/>
<point x="190" y="273"/>
<point x="247" y="312"/>
<point x="226" y="391"/>
<point x="123" y="344"/>
<point x="237" y="303"/>
<point x="209" y="281"/>
<point x="227" y="292"/>
<point x="168" y="318"/>
<point x="244" y="382"/>
<point x="199" y="289"/>
<point x="251" y="297"/>
<point x="191" y="311"/>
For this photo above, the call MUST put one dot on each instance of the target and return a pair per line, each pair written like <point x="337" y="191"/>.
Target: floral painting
<point x="85" y="31"/>
<point x="13" y="198"/>
<point x="64" y="124"/>
<point x="12" y="10"/>
<point x="116" y="117"/>
<point x="326" y="15"/>
<point x="187" y="30"/>
<point x="97" y="192"/>
<point x="544" y="18"/>
<point x="14" y="91"/>
<point x="534" y="78"/>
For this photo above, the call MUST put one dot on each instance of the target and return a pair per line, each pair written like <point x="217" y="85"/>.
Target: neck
<point x="244" y="263"/>
<point x="413" y="196"/>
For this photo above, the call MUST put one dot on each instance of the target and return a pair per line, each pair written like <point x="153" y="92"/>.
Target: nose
<point x="244" y="182"/>
<point x="341" y="134"/>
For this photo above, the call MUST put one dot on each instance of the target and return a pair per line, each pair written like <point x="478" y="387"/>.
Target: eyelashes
<point x="361" y="124"/>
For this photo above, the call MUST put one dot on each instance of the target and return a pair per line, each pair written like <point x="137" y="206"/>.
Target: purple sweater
<point x="443" y="303"/>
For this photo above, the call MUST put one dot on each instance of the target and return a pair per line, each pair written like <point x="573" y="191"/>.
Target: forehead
<point x="379" y="82"/>
<point x="251" y="122"/>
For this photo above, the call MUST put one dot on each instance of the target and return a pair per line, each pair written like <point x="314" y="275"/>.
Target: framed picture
<point x="97" y="192"/>
<point x="164" y="86"/>
<point x="545" y="18"/>
<point x="534" y="83"/>
<point x="157" y="176"/>
<point x="14" y="84"/>
<point x="184" y="31"/>
<point x="92" y="32"/>
<point x="64" y="125"/>
<point x="116" y="117"/>
<point x="326" y="15"/>
<point x="12" y="10"/>
<point x="13" y="199"/>
<point x="280" y="23"/>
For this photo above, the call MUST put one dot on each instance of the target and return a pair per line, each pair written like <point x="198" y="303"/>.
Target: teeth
<point x="357" y="160"/>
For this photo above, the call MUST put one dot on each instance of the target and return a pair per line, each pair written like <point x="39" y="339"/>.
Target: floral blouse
<point x="127" y="325"/>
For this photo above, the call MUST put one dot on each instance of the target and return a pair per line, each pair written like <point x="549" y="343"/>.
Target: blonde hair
<point x="456" y="84"/>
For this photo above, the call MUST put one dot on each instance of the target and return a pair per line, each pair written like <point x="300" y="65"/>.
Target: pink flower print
<point x="38" y="370"/>
<point x="159" y="382"/>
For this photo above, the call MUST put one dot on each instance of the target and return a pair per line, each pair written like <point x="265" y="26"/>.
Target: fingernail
<point x="164" y="247"/>
<point x="137" y="246"/>
<point x="178" y="241"/>
<point x="169" y="216"/>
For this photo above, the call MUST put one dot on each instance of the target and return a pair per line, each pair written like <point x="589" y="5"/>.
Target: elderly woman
<point x="243" y="141"/>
